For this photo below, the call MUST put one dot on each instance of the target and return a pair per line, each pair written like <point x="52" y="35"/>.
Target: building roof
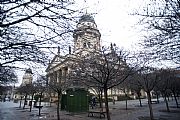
<point x="28" y="71"/>
<point x="86" y="18"/>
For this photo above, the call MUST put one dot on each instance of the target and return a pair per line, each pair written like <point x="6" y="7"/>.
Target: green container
<point x="77" y="100"/>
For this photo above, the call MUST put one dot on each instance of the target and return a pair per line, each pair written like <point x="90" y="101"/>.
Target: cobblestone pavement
<point x="11" y="111"/>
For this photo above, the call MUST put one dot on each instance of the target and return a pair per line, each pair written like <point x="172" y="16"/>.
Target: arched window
<point x="89" y="45"/>
<point x="84" y="45"/>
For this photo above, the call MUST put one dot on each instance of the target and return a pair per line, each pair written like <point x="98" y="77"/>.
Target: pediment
<point x="55" y="61"/>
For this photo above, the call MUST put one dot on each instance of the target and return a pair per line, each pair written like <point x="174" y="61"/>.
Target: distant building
<point x="27" y="77"/>
<point x="26" y="80"/>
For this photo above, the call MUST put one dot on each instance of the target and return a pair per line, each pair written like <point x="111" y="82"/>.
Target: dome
<point x="29" y="71"/>
<point x="87" y="18"/>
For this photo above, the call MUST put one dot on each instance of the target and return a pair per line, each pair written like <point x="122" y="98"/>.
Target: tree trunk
<point x="157" y="97"/>
<point x="150" y="105"/>
<point x="172" y="97"/>
<point x="40" y="103"/>
<point x="167" y="96"/>
<point x="58" y="106"/>
<point x="175" y="99"/>
<point x="30" y="104"/>
<point x="25" y="101"/>
<point x="50" y="100"/>
<point x="167" y="105"/>
<point x="113" y="100"/>
<point x="20" y="102"/>
<point x="106" y="104"/>
<point x="126" y="100"/>
<point x="139" y="97"/>
<point x="100" y="99"/>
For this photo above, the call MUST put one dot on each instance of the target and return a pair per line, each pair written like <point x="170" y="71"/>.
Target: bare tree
<point x="29" y="27"/>
<point x="103" y="70"/>
<point x="169" y="85"/>
<point x="125" y="87"/>
<point x="174" y="85"/>
<point x="57" y="84"/>
<point x="19" y="91"/>
<point x="165" y="85"/>
<point x="148" y="81"/>
<point x="4" y="92"/>
<point x="147" y="77"/>
<point x="24" y="91"/>
<point x="157" y="93"/>
<point x="162" y="21"/>
<point x="32" y="92"/>
<point x="7" y="76"/>
<point x="40" y="87"/>
<point x="135" y="85"/>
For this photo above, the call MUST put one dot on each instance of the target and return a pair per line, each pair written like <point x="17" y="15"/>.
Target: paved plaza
<point x="11" y="111"/>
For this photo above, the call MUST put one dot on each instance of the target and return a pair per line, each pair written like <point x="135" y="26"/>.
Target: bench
<point x="38" y="107"/>
<point x="101" y="113"/>
<point x="154" y="101"/>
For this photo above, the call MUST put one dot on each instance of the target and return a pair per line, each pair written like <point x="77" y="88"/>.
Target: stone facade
<point x="86" y="36"/>
<point x="27" y="77"/>
<point x="86" y="39"/>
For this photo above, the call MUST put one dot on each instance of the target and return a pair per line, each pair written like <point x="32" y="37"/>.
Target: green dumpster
<point x="77" y="100"/>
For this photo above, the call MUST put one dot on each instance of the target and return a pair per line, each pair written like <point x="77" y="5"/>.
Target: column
<point x="57" y="76"/>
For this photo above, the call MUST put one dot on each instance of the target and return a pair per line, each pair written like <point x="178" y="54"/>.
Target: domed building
<point x="86" y="36"/>
<point x="27" y="77"/>
<point x="86" y="40"/>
